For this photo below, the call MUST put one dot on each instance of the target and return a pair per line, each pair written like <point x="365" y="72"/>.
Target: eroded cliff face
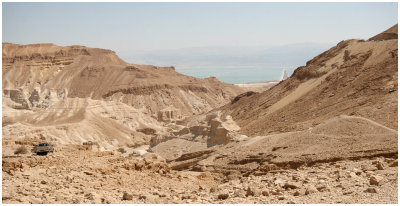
<point x="45" y="84"/>
<point x="76" y="71"/>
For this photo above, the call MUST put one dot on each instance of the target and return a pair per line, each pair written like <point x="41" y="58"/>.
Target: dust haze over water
<point x="232" y="64"/>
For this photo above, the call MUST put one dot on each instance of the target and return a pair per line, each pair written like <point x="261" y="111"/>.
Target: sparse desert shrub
<point x="21" y="150"/>
<point x="122" y="150"/>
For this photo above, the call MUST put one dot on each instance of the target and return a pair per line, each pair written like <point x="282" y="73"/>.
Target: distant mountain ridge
<point x="292" y="55"/>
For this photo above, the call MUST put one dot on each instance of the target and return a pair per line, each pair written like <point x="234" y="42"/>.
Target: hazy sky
<point x="153" y="26"/>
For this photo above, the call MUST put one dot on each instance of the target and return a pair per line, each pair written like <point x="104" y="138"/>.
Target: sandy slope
<point x="353" y="78"/>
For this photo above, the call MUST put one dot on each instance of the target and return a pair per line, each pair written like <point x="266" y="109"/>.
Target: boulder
<point x="222" y="131"/>
<point x="379" y="165"/>
<point x="291" y="185"/>
<point x="127" y="196"/>
<point x="18" y="97"/>
<point x="311" y="189"/>
<point x="376" y="180"/>
<point x="253" y="191"/>
<point x="223" y="196"/>
<point x="370" y="190"/>
<point x="35" y="97"/>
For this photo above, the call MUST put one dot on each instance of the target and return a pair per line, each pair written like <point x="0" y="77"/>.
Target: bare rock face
<point x="199" y="130"/>
<point x="169" y="114"/>
<point x="18" y="97"/>
<point x="159" y="138"/>
<point x="212" y="130"/>
<point x="217" y="134"/>
<point x="222" y="132"/>
<point x="34" y="98"/>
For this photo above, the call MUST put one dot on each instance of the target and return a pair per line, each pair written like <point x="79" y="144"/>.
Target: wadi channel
<point x="126" y="133"/>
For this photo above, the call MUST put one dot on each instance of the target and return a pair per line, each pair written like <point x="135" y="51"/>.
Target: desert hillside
<point x="126" y="133"/>
<point x="340" y="107"/>
<point x="354" y="82"/>
<point x="75" y="94"/>
<point x="43" y="70"/>
<point x="356" y="78"/>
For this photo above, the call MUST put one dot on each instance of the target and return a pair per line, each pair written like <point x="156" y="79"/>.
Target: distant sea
<point x="236" y="75"/>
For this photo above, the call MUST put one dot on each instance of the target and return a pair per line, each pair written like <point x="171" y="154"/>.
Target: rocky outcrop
<point x="169" y="114"/>
<point x="212" y="131"/>
<point x="222" y="132"/>
<point x="246" y="94"/>
<point x="18" y="97"/>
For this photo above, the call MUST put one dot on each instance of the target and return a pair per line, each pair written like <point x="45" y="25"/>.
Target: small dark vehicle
<point x="43" y="148"/>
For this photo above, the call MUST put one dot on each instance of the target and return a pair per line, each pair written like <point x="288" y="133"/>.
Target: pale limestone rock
<point x="169" y="114"/>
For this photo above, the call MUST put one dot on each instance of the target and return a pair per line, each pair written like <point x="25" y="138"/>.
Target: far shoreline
<point x="258" y="84"/>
